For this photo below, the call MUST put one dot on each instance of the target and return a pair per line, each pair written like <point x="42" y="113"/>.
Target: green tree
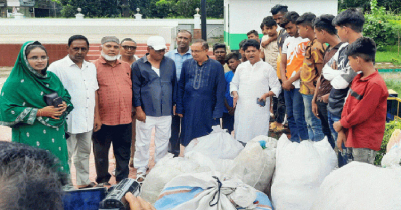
<point x="91" y="8"/>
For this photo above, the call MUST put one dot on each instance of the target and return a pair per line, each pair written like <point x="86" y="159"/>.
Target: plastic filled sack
<point x="300" y="169"/>
<point x="164" y="171"/>
<point x="393" y="157"/>
<point x="394" y="139"/>
<point x="256" y="162"/>
<point x="210" y="190"/>
<point x="360" y="186"/>
<point x="218" y="144"/>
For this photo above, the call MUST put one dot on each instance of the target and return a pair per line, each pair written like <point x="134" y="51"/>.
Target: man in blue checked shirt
<point x="179" y="55"/>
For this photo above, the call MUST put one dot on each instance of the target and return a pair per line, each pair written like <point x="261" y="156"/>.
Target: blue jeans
<point x="314" y="125"/>
<point x="296" y="115"/>
<point x="342" y="156"/>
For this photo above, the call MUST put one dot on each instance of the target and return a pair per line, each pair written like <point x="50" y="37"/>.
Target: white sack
<point x="360" y="186"/>
<point x="231" y="190"/>
<point x="164" y="171"/>
<point x="218" y="144"/>
<point x="300" y="169"/>
<point x="393" y="157"/>
<point x="255" y="165"/>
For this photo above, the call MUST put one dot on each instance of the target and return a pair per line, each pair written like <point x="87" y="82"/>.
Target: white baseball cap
<point x="157" y="42"/>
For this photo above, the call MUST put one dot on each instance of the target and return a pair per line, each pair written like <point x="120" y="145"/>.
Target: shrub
<point x="382" y="32"/>
<point x="390" y="127"/>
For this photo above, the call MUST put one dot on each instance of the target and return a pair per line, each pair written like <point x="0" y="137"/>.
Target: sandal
<point x="278" y="130"/>
<point x="273" y="126"/>
<point x="92" y="184"/>
<point x="140" y="178"/>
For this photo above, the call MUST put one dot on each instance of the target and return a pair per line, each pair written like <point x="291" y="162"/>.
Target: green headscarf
<point x="23" y="91"/>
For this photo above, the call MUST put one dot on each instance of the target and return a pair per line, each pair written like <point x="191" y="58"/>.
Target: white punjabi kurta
<point x="251" y="82"/>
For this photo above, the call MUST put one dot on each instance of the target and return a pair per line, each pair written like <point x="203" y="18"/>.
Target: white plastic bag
<point x="360" y="186"/>
<point x="393" y="157"/>
<point x="218" y="144"/>
<point x="300" y="169"/>
<point x="210" y="191"/>
<point x="164" y="171"/>
<point x="255" y="165"/>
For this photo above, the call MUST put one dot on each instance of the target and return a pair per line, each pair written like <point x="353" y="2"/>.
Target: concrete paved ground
<point x="5" y="135"/>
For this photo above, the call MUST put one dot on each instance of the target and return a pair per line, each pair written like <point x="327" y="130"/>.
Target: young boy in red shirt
<point x="363" y="119"/>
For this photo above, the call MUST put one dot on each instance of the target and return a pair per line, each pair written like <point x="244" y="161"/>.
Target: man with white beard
<point x="113" y="110"/>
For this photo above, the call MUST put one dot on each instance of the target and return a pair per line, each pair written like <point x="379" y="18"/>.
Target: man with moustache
<point x="79" y="78"/>
<point x="201" y="90"/>
<point x="127" y="54"/>
<point x="154" y="85"/>
<point x="179" y="55"/>
<point x="113" y="110"/>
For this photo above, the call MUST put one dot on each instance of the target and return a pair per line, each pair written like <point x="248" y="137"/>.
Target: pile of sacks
<point x="217" y="152"/>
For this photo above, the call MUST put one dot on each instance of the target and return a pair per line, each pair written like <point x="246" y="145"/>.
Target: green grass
<point x="394" y="84"/>
<point x="389" y="54"/>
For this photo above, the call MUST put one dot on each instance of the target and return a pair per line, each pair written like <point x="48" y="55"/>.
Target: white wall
<point x="246" y="15"/>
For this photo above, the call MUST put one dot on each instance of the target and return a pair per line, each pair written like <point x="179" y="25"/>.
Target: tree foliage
<point x="148" y="8"/>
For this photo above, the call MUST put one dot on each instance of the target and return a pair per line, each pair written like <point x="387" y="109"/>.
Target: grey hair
<point x="30" y="178"/>
<point x="204" y="44"/>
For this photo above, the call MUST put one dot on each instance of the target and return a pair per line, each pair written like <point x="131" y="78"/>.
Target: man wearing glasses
<point x="127" y="51"/>
<point x="127" y="54"/>
<point x="113" y="111"/>
<point x="179" y="55"/>
<point x="154" y="85"/>
<point x="79" y="78"/>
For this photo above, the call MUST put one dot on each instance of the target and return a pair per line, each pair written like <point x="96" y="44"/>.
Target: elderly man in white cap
<point x="154" y="85"/>
<point x="113" y="110"/>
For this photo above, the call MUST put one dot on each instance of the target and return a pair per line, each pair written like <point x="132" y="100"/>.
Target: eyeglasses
<point x="36" y="58"/>
<point x="126" y="47"/>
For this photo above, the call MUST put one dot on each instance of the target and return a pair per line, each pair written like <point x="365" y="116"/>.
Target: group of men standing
<point x="120" y="99"/>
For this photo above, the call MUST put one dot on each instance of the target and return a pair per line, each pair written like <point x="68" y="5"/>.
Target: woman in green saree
<point x="23" y="108"/>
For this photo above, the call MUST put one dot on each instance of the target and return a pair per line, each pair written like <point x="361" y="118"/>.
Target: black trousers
<point x="322" y="110"/>
<point x="228" y="122"/>
<point x="120" y="136"/>
<point x="279" y="107"/>
<point x="174" y="144"/>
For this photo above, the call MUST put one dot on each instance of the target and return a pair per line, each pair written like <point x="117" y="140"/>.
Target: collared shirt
<point x="82" y="84"/>
<point x="179" y="59"/>
<point x="115" y="92"/>
<point x="270" y="51"/>
<point x="154" y="91"/>
<point x="229" y="77"/>
<point x="294" y="48"/>
<point x="364" y="113"/>
<point x="309" y="73"/>
<point x="325" y="85"/>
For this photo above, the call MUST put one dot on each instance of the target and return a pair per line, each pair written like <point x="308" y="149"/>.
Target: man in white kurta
<point x="253" y="79"/>
<point x="79" y="78"/>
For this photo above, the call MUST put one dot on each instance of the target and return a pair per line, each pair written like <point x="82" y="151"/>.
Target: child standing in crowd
<point x="232" y="60"/>
<point x="325" y="33"/>
<point x="349" y="25"/>
<point x="363" y="119"/>
<point x="269" y="53"/>
<point x="292" y="58"/>
<point x="310" y="72"/>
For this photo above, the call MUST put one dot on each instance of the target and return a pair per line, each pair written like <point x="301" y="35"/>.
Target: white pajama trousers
<point x="79" y="149"/>
<point x="162" y="127"/>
